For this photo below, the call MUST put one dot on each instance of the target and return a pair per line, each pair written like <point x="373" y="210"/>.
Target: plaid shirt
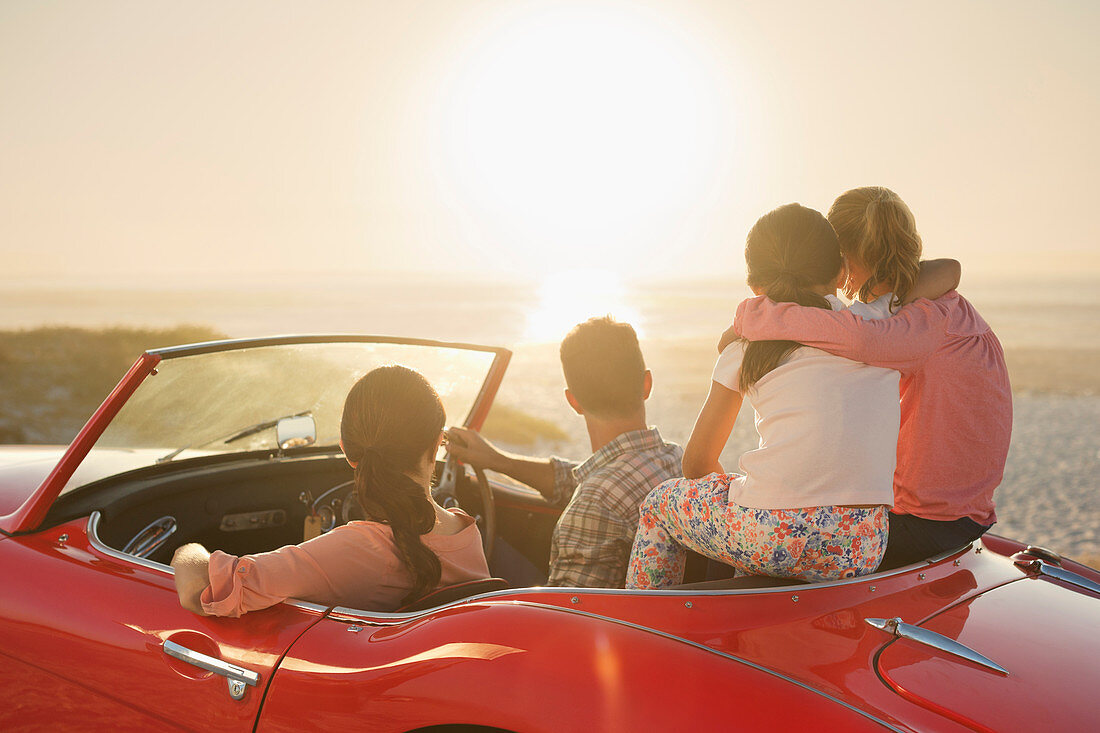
<point x="594" y="535"/>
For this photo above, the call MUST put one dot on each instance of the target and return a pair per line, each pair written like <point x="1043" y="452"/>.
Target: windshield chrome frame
<point x="478" y="410"/>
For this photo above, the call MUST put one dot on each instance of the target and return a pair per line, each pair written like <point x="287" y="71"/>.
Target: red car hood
<point x="24" y="467"/>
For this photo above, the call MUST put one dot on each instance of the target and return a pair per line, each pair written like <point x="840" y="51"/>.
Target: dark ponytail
<point x="789" y="251"/>
<point x="392" y="418"/>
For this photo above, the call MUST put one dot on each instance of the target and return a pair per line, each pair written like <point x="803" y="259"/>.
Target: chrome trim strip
<point x="205" y="347"/>
<point x="943" y="555"/>
<point x="386" y="618"/>
<point x="93" y="539"/>
<point x="1059" y="573"/>
<point x="901" y="630"/>
<point x="211" y="664"/>
<point x="307" y="605"/>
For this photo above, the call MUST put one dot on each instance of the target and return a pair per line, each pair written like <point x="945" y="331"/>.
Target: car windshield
<point x="229" y="401"/>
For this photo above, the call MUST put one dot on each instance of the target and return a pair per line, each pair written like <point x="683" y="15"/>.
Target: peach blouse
<point x="356" y="565"/>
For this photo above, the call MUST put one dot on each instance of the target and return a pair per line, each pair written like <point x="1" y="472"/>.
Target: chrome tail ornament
<point x="1042" y="567"/>
<point x="902" y="630"/>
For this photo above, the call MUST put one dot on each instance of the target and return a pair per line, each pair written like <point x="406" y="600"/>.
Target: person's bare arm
<point x="728" y="337"/>
<point x="191" y="563"/>
<point x="469" y="447"/>
<point x="712" y="430"/>
<point x="937" y="278"/>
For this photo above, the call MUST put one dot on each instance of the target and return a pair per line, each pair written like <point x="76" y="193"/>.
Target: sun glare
<point x="581" y="134"/>
<point x="570" y="297"/>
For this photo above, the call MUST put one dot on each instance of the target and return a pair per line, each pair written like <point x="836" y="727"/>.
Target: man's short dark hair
<point x="604" y="368"/>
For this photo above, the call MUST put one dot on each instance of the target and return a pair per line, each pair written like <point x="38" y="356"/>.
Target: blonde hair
<point x="876" y="228"/>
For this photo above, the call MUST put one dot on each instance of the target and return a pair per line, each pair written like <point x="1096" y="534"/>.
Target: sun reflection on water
<point x="568" y="298"/>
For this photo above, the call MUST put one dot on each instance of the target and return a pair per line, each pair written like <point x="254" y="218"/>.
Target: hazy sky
<point x="149" y="140"/>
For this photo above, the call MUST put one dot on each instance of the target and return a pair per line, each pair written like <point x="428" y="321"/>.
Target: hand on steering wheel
<point x="445" y="494"/>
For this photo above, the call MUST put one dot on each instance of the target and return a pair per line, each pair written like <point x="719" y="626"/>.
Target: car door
<point x="96" y="640"/>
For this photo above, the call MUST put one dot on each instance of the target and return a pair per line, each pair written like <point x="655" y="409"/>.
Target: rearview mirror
<point x="295" y="432"/>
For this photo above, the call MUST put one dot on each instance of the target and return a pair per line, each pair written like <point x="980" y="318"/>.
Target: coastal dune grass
<point x="52" y="379"/>
<point x="516" y="428"/>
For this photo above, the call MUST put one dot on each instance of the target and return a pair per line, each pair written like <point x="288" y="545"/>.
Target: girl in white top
<point x="811" y="502"/>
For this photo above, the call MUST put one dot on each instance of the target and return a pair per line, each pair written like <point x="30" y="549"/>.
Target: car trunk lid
<point x="1042" y="632"/>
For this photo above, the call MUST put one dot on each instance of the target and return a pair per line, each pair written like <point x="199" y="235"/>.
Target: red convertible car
<point x="234" y="445"/>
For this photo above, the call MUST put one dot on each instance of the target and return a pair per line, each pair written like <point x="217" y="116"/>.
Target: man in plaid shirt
<point x="607" y="384"/>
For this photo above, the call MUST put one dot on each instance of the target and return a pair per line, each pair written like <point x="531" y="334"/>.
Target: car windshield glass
<point x="230" y="401"/>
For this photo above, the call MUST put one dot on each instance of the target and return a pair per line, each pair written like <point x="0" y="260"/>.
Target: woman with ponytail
<point x="956" y="402"/>
<point x="811" y="502"/>
<point x="391" y="429"/>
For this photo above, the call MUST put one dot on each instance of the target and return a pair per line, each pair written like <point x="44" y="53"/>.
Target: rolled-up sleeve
<point x="242" y="584"/>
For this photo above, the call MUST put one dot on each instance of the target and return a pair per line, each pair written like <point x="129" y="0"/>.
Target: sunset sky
<point x="153" y="141"/>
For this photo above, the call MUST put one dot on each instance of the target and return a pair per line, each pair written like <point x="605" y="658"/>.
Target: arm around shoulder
<point x="937" y="278"/>
<point x="901" y="342"/>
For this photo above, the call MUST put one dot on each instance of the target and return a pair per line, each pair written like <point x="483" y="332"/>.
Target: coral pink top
<point x="356" y="565"/>
<point x="956" y="404"/>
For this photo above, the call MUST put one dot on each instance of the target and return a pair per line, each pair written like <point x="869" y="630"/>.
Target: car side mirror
<point x="295" y="432"/>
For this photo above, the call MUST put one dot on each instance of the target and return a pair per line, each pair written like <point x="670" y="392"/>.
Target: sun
<point x="578" y="135"/>
<point x="571" y="297"/>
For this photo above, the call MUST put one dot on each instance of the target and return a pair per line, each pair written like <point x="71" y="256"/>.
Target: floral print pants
<point x="815" y="543"/>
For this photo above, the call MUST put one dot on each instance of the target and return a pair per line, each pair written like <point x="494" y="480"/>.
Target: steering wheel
<point x="339" y="505"/>
<point x="445" y="495"/>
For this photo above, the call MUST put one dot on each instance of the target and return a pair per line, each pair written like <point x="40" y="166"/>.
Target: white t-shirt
<point x="828" y="427"/>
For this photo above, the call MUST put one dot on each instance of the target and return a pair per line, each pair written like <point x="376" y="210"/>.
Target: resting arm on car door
<point x="220" y="584"/>
<point x="191" y="563"/>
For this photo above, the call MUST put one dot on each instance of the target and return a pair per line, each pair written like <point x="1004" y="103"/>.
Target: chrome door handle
<point x="238" y="677"/>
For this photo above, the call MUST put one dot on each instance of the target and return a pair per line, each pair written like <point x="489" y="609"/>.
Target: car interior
<point x="251" y="504"/>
